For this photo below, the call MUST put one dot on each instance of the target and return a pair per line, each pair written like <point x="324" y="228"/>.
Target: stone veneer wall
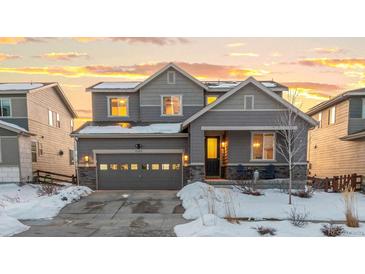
<point x="195" y="173"/>
<point x="87" y="177"/>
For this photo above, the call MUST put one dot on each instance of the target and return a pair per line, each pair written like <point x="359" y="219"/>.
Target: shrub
<point x="262" y="230"/>
<point x="332" y="230"/>
<point x="48" y="189"/>
<point x="305" y="193"/>
<point x="349" y="197"/>
<point x="297" y="218"/>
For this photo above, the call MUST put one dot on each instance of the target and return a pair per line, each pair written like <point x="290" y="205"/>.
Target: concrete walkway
<point x="114" y="213"/>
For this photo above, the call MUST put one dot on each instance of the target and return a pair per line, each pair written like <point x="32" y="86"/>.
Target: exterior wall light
<point x="86" y="158"/>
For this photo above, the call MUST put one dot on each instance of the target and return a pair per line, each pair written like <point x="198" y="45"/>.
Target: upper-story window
<point x="171" y="77"/>
<point x="118" y="106"/>
<point x="171" y="105"/>
<point x="320" y="119"/>
<point x="5" y="107"/>
<point x="54" y="119"/>
<point x="332" y="115"/>
<point x="50" y="118"/>
<point x="248" y="103"/>
<point x="363" y="108"/>
<point x="210" y="99"/>
<point x="58" y="121"/>
<point x="72" y="125"/>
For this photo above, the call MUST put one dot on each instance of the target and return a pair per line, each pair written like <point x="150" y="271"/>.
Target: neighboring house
<point x="337" y="145"/>
<point x="36" y="120"/>
<point x="171" y="129"/>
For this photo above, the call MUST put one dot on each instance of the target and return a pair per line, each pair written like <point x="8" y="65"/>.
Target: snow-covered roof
<point x="116" y="85"/>
<point x="19" y="86"/>
<point x="13" y="127"/>
<point x="127" y="128"/>
<point x="227" y="85"/>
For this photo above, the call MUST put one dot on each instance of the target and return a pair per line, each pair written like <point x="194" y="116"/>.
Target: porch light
<point x="256" y="145"/>
<point x="223" y="144"/>
<point x="186" y="157"/>
<point x="86" y="159"/>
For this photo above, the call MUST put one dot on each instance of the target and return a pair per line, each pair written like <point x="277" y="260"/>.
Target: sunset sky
<point x="317" y="67"/>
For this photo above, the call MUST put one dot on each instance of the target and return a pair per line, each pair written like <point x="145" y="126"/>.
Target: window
<point x="332" y="115"/>
<point x="165" y="166"/>
<point x="263" y="146"/>
<point x="210" y="99"/>
<point x="103" y="167"/>
<point x="58" y="122"/>
<point x="5" y="107"/>
<point x="171" y="77"/>
<point x="71" y="157"/>
<point x="212" y="148"/>
<point x="155" y="166"/>
<point x="248" y="102"/>
<point x="134" y="166"/>
<point x="320" y="119"/>
<point x="145" y="166"/>
<point x="40" y="149"/>
<point x="50" y="118"/>
<point x="124" y="167"/>
<point x="363" y="108"/>
<point x="175" y="166"/>
<point x="171" y="105"/>
<point x="113" y="166"/>
<point x="72" y="125"/>
<point x="34" y="151"/>
<point x="118" y="106"/>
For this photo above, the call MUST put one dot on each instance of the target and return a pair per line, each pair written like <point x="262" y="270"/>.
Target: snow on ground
<point x="212" y="226"/>
<point x="208" y="206"/>
<point x="153" y="128"/>
<point x="27" y="202"/>
<point x="273" y="204"/>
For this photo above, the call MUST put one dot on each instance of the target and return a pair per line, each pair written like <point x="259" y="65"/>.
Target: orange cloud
<point x="4" y="56"/>
<point x="235" y="45"/>
<point x="141" y="71"/>
<point x="328" y="50"/>
<point x="248" y="54"/>
<point x="160" y="41"/>
<point x="345" y="63"/>
<point x="64" y="56"/>
<point x="18" y="40"/>
<point x="313" y="88"/>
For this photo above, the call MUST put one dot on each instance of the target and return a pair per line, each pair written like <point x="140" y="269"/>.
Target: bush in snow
<point x="262" y="230"/>
<point x="305" y="193"/>
<point x="349" y="197"/>
<point x="332" y="230"/>
<point x="48" y="189"/>
<point x="297" y="218"/>
<point x="229" y="205"/>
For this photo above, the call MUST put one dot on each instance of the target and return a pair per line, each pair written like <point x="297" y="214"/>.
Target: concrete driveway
<point x="148" y="213"/>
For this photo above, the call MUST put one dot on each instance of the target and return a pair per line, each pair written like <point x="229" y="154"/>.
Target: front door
<point x="212" y="157"/>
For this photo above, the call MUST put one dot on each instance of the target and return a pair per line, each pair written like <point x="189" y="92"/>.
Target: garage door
<point x="139" y="171"/>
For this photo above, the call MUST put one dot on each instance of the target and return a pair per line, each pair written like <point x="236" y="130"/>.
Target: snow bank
<point x="212" y="226"/>
<point x="26" y="202"/>
<point x="153" y="128"/>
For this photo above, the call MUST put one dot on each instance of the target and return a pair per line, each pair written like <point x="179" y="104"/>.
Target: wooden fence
<point x="336" y="183"/>
<point x="42" y="177"/>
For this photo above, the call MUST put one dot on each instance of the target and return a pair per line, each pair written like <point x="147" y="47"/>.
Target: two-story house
<point x="337" y="145"/>
<point x="36" y="120"/>
<point x="172" y="128"/>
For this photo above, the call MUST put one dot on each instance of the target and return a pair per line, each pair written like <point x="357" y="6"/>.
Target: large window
<point x="332" y="115"/>
<point x="171" y="105"/>
<point x="263" y="145"/>
<point x="248" y="103"/>
<point x="210" y="99"/>
<point x="118" y="106"/>
<point x="5" y="107"/>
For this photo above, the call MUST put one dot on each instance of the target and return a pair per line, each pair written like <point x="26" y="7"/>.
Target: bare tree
<point x="292" y="130"/>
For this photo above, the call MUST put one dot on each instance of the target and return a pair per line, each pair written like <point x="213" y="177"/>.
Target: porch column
<point x="197" y="152"/>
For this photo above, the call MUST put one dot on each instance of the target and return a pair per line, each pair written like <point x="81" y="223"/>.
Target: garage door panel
<point x="139" y="171"/>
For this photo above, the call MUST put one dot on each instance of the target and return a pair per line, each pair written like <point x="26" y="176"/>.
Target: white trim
<point x="245" y="103"/>
<point x="149" y="105"/>
<point x="11" y="107"/>
<point x="181" y="105"/>
<point x="246" y="110"/>
<point x="253" y="81"/>
<point x="117" y="97"/>
<point x="264" y="164"/>
<point x="263" y="140"/>
<point x="173" y="73"/>
<point x="193" y="105"/>
<point x="249" y="128"/>
<point x="196" y="164"/>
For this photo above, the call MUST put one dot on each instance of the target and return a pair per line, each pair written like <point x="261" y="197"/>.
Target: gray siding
<point x="100" y="106"/>
<point x="192" y="94"/>
<point x="9" y="151"/>
<point x="5" y="132"/>
<point x="356" y="123"/>
<point x="153" y="114"/>
<point x="261" y="99"/>
<point x="18" y="109"/>
<point x="22" y="122"/>
<point x="86" y="146"/>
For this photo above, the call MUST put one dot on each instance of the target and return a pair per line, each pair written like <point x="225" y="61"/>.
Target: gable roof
<point x="23" y="88"/>
<point x="13" y="128"/>
<point x="335" y="100"/>
<point x="253" y="81"/>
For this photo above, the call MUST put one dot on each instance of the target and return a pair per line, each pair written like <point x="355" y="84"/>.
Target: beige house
<point x="337" y="145"/>
<point x="36" y="120"/>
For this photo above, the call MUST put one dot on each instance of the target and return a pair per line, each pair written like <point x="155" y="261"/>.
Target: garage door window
<point x="134" y="166"/>
<point x="175" y="166"/>
<point x="103" y="167"/>
<point x="113" y="166"/>
<point x="145" y="166"/>
<point x="165" y="166"/>
<point x="155" y="166"/>
<point x="124" y="167"/>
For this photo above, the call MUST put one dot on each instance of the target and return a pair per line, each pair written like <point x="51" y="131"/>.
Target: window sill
<point x="177" y="115"/>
